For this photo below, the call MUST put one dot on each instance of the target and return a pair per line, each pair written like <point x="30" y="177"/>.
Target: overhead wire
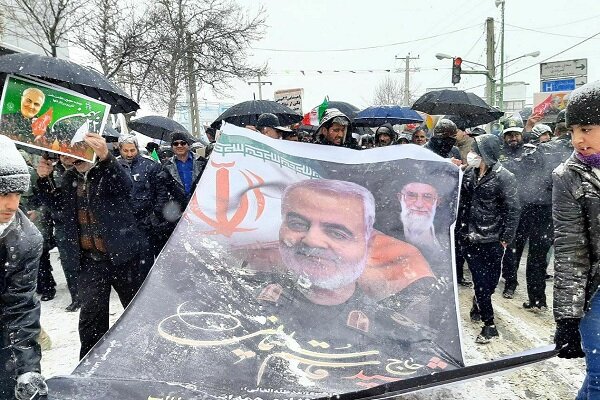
<point x="567" y="23"/>
<point x="545" y="33"/>
<point x="554" y="55"/>
<point x="362" y="48"/>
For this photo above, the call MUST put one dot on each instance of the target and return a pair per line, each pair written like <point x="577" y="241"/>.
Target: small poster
<point x="291" y="98"/>
<point x="549" y="104"/>
<point x="48" y="117"/>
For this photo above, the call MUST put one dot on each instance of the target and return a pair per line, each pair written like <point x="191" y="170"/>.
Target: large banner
<point x="49" y="117"/>
<point x="297" y="271"/>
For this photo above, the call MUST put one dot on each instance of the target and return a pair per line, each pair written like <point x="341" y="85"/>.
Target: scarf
<point x="592" y="160"/>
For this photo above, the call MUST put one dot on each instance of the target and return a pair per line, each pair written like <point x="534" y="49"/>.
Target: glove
<point x="29" y="384"/>
<point x="568" y="338"/>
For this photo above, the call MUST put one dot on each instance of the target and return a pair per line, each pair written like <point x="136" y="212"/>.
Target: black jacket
<point x="575" y="211"/>
<point x="534" y="169"/>
<point x="20" y="251"/>
<point x="169" y="177"/>
<point x="441" y="150"/>
<point x="489" y="207"/>
<point x="109" y="188"/>
<point x="148" y="192"/>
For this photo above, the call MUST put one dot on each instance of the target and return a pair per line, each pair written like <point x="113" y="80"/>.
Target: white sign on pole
<point x="563" y="69"/>
<point x="291" y="98"/>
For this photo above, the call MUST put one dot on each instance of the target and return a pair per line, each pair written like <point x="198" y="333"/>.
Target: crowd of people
<point x="110" y="219"/>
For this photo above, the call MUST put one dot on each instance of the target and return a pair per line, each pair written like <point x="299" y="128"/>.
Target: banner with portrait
<point x="296" y="271"/>
<point x="50" y="118"/>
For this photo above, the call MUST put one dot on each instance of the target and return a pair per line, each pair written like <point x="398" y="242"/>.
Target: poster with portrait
<point x="549" y="104"/>
<point x="50" y="118"/>
<point x="296" y="271"/>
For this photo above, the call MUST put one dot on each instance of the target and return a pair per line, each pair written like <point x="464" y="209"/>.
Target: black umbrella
<point x="69" y="75"/>
<point x="157" y="127"/>
<point x="348" y="109"/>
<point x="111" y="134"/>
<point x="467" y="105"/>
<point x="247" y="113"/>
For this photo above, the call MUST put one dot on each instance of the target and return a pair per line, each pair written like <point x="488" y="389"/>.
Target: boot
<point x="535" y="306"/>
<point x="488" y="332"/>
<point x="509" y="290"/>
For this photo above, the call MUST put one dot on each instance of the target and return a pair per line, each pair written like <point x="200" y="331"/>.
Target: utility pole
<point x="192" y="90"/>
<point x="490" y="87"/>
<point x="407" y="72"/>
<point x="501" y="3"/>
<point x="260" y="85"/>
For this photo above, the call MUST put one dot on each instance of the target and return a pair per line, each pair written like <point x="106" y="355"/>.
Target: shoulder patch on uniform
<point x="271" y="293"/>
<point x="358" y="320"/>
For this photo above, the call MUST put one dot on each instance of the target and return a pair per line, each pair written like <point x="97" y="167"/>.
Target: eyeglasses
<point x="412" y="197"/>
<point x="179" y="143"/>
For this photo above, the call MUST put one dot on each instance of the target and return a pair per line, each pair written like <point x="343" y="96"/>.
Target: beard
<point x="415" y="223"/>
<point x="309" y="263"/>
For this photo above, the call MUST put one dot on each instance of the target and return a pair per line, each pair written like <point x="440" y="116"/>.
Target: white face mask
<point x="473" y="160"/>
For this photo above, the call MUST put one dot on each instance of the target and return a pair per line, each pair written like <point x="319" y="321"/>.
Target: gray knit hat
<point x="14" y="174"/>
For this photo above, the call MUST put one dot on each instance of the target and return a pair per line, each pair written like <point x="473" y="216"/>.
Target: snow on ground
<point x="555" y="379"/>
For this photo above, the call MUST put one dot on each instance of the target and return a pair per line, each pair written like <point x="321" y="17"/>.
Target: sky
<point x="301" y="35"/>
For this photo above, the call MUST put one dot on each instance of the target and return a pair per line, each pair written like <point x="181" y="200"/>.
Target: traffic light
<point x="456" y="69"/>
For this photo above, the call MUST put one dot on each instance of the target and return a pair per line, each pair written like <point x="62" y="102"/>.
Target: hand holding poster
<point x="49" y="117"/>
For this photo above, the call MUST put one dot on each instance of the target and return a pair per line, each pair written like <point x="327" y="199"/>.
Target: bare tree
<point x="389" y="91"/>
<point x="45" y="23"/>
<point x="2" y="21"/>
<point x="206" y="39"/>
<point x="116" y="35"/>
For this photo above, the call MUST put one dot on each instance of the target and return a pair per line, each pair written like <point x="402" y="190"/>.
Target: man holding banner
<point x="102" y="233"/>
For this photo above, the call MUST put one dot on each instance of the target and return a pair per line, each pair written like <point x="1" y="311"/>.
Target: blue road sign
<point x="559" y="85"/>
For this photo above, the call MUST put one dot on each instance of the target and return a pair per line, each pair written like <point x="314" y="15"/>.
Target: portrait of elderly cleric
<point x="419" y="209"/>
<point x="19" y="124"/>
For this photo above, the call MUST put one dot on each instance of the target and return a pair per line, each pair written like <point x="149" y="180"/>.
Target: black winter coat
<point x="109" y="188"/>
<point x="575" y="212"/>
<point x="169" y="177"/>
<point x="489" y="207"/>
<point x="148" y="192"/>
<point x="533" y="169"/>
<point x="21" y="249"/>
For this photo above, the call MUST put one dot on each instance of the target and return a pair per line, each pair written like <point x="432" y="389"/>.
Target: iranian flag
<point x="314" y="116"/>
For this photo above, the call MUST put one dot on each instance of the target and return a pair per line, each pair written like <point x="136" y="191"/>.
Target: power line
<point x="568" y="23"/>
<point x="545" y="33"/>
<point x="476" y="42"/>
<point x="363" y="48"/>
<point x="557" y="54"/>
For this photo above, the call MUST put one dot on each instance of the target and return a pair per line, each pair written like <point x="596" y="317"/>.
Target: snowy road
<point x="555" y="379"/>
